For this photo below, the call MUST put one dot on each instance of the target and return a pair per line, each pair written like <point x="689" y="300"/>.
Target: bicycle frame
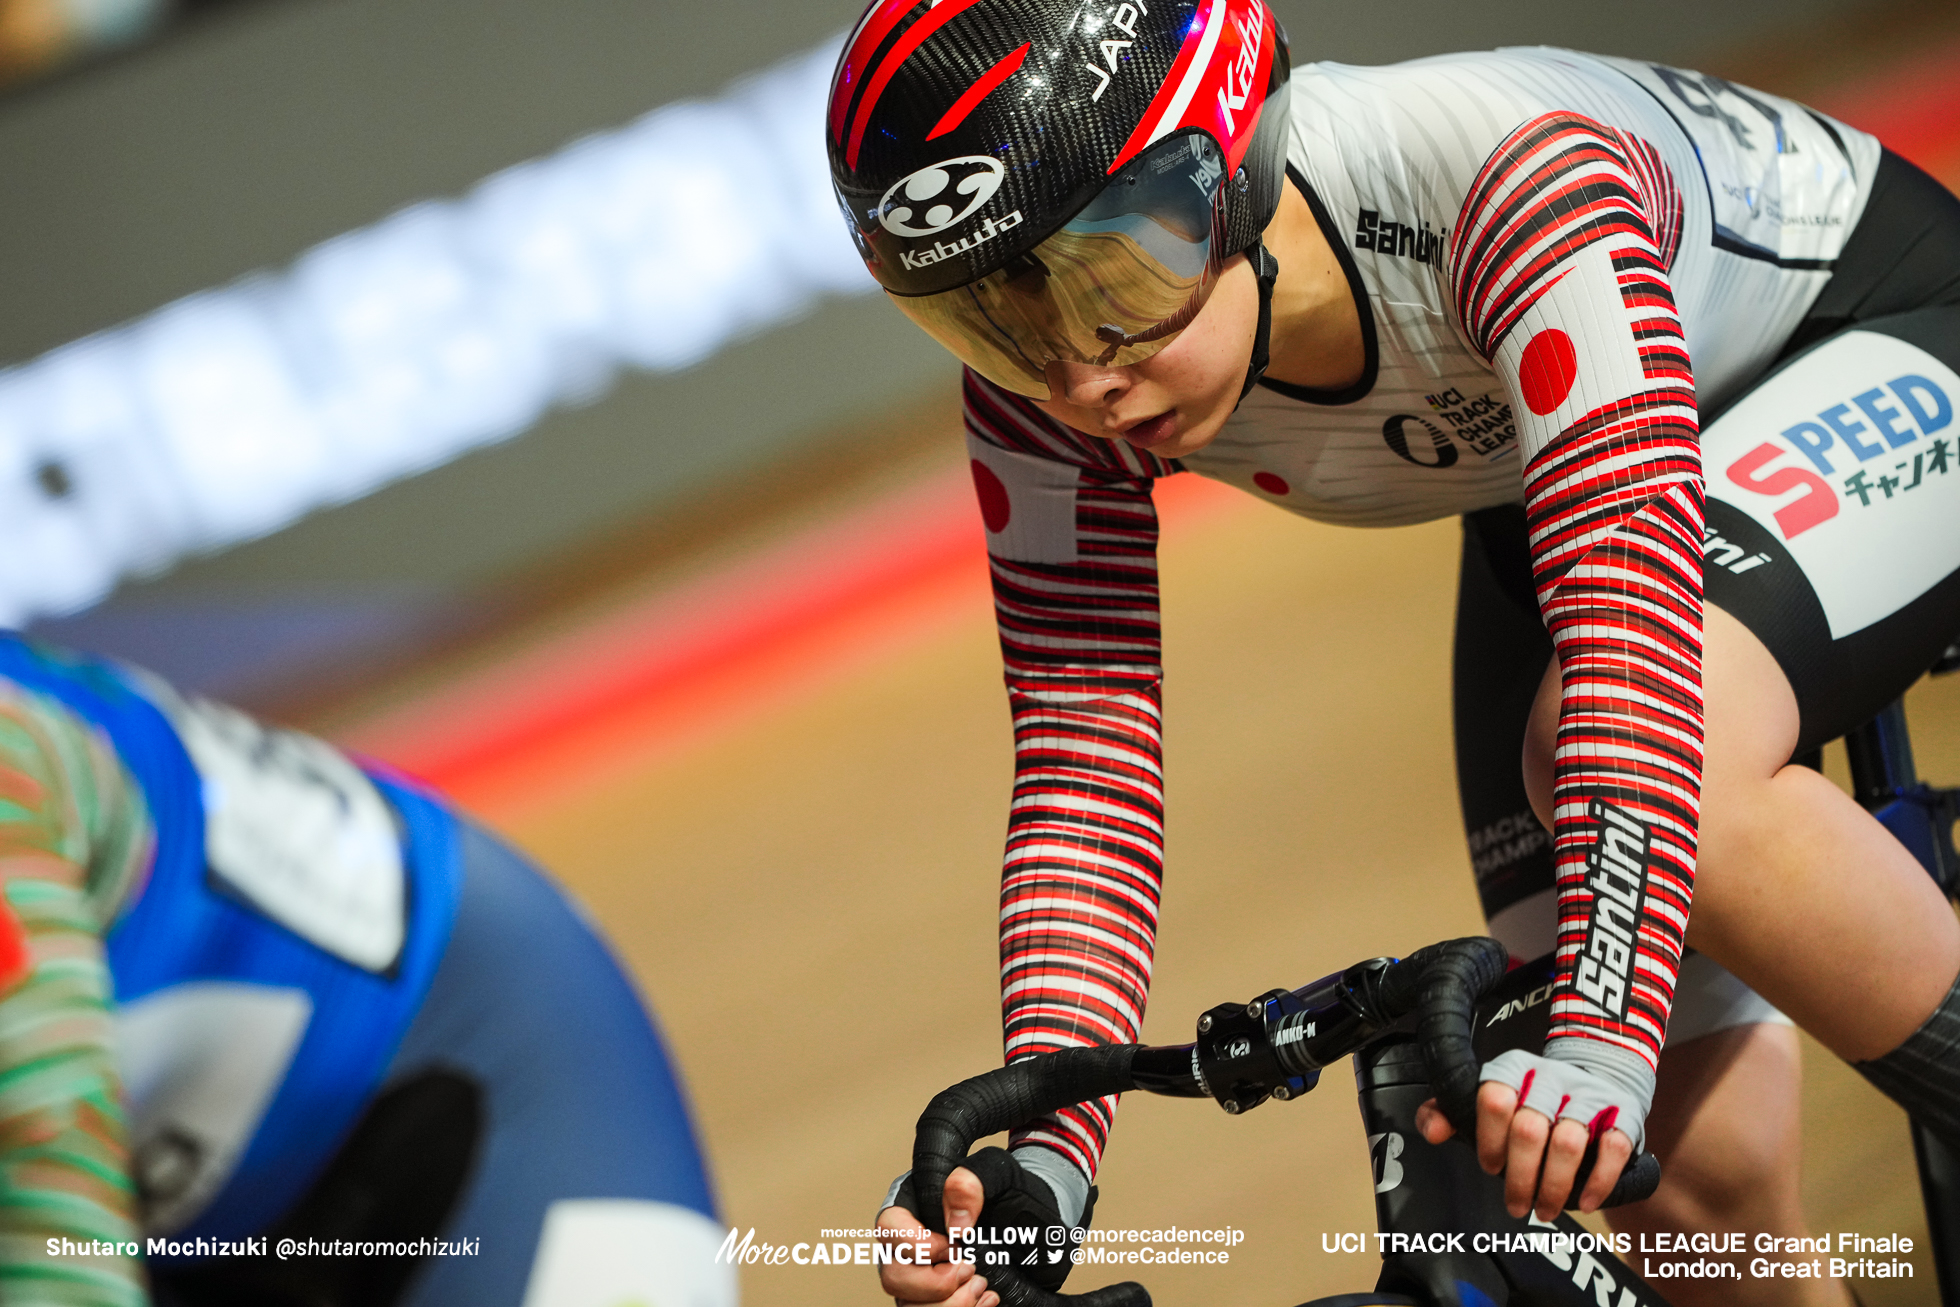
<point x="1446" y="1239"/>
<point x="1417" y="1028"/>
<point x="1425" y="1189"/>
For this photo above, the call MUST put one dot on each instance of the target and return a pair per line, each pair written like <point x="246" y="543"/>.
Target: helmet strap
<point x="1266" y="268"/>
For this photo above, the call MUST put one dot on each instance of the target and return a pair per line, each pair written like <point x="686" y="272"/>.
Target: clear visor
<point x="1113" y="287"/>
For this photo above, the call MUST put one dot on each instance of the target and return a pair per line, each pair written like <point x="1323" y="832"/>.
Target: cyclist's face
<point x="1174" y="402"/>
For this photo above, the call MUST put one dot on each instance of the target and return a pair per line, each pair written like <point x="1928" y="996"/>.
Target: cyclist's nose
<point x="1086" y="385"/>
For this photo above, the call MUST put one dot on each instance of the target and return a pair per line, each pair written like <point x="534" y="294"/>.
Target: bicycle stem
<point x="1274" y="1046"/>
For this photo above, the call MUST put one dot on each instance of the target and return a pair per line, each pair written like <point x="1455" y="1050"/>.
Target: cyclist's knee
<point x="1706" y="1190"/>
<point x="1726" y="1128"/>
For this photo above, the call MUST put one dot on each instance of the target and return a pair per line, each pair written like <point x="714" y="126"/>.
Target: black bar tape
<point x="1443" y="982"/>
<point x="1001" y="1100"/>
<point x="1641" y="1177"/>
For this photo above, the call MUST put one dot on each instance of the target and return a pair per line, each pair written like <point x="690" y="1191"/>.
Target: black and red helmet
<point x="1079" y="169"/>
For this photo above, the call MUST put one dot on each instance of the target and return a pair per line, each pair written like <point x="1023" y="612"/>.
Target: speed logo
<point x="1844" y="459"/>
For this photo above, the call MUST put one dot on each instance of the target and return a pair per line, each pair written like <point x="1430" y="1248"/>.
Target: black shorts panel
<point x="1502" y="650"/>
<point x="1903" y="255"/>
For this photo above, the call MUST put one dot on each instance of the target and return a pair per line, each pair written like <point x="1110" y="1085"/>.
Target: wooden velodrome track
<point x="805" y="883"/>
<point x="781" y="787"/>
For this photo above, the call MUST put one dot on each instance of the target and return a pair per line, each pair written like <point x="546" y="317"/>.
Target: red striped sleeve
<point x="1073" y="539"/>
<point x="1560" y="272"/>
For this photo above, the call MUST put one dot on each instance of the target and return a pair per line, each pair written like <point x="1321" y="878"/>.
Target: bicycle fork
<point x="1445" y="1236"/>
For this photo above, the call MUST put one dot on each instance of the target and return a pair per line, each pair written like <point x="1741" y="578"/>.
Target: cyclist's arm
<point x="73" y="836"/>
<point x="1072" y="540"/>
<point x="1559" y="267"/>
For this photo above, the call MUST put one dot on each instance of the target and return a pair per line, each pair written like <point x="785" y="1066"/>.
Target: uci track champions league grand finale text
<point x="1662" y="1256"/>
<point x="1657" y="1256"/>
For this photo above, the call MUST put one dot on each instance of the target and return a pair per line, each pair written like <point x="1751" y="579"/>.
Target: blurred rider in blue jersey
<point x="303" y="1035"/>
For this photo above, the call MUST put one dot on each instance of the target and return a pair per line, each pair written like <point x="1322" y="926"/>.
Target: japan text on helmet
<point x="1036" y="180"/>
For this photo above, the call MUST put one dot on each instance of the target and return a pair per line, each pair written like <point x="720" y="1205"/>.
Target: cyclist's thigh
<point x="1834" y="514"/>
<point x="1500" y="657"/>
<point x="586" y="1157"/>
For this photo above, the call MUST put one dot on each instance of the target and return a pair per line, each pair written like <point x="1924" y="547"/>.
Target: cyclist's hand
<point x="1527" y="1147"/>
<point x="953" y="1284"/>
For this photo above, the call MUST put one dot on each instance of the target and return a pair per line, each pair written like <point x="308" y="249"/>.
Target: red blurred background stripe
<point x="697" y="658"/>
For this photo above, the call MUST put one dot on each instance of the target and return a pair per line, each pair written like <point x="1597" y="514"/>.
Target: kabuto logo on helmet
<point x="940" y="195"/>
<point x="1038" y="106"/>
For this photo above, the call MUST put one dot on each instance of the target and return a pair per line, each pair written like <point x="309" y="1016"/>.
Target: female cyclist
<point x="1507" y="285"/>
<point x="263" y="1009"/>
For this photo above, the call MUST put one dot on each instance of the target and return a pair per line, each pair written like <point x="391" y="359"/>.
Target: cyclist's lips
<point x="1151" y="432"/>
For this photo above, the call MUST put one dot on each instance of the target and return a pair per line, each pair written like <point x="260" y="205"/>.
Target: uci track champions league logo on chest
<point x="1616" y="873"/>
<point x="1851" y="461"/>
